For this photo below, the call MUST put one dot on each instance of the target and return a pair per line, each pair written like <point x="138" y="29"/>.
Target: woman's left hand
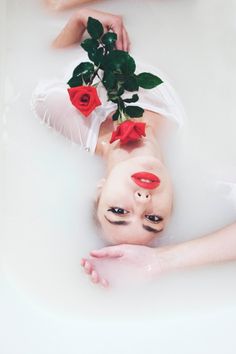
<point x="73" y="31"/>
<point x="142" y="260"/>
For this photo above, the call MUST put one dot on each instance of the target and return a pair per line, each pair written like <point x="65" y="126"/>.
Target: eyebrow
<point x="122" y="222"/>
<point x="150" y="229"/>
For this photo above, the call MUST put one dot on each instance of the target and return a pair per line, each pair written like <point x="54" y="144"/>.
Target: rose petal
<point x="77" y="99"/>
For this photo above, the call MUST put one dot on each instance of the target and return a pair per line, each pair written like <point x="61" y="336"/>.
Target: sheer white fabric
<point x="51" y="104"/>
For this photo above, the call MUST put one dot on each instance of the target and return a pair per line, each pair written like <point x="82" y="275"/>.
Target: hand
<point x="218" y="246"/>
<point x="140" y="261"/>
<point x="109" y="21"/>
<point x="75" y="28"/>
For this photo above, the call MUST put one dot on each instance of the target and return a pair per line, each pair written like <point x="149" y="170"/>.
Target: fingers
<point x="108" y="252"/>
<point x="123" y="42"/>
<point x="94" y="276"/>
<point x="118" y="27"/>
<point x="126" y="41"/>
<point x="119" y="31"/>
<point x="105" y="283"/>
<point x="96" y="279"/>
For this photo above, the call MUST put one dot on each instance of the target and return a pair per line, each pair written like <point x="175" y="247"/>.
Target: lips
<point x="146" y="180"/>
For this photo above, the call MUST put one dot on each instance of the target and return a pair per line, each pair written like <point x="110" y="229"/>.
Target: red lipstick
<point x="146" y="180"/>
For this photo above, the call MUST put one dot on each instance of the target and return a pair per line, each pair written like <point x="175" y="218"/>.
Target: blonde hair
<point x="95" y="205"/>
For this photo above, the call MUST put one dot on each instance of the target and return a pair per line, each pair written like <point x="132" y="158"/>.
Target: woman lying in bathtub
<point x="134" y="200"/>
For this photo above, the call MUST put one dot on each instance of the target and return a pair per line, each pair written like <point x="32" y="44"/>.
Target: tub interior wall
<point x="48" y="224"/>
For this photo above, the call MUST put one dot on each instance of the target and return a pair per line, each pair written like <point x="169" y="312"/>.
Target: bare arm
<point x="73" y="31"/>
<point x="60" y="5"/>
<point x="219" y="246"/>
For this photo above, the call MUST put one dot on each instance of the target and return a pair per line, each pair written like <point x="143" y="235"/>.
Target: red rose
<point x="84" y="98"/>
<point x="128" y="131"/>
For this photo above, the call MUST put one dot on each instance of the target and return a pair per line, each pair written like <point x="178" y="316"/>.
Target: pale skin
<point x="138" y="205"/>
<point x="61" y="5"/>
<point x="218" y="246"/>
<point x="73" y="31"/>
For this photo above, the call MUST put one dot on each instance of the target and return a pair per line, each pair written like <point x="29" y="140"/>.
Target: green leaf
<point x="148" y="81"/>
<point x="116" y="115"/>
<point x="90" y="44"/>
<point x="134" y="111"/>
<point x="75" y="81"/>
<point x="94" y="28"/>
<point x="120" y="62"/>
<point x="109" y="39"/>
<point x="84" y="68"/>
<point x="109" y="80"/>
<point x="131" y="84"/>
<point x="134" y="98"/>
<point x="96" y="56"/>
<point x="129" y="66"/>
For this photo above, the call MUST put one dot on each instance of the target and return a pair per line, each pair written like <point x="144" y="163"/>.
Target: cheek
<point x="119" y="192"/>
<point x="163" y="202"/>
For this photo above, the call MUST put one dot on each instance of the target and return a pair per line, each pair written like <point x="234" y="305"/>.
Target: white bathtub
<point x="47" y="305"/>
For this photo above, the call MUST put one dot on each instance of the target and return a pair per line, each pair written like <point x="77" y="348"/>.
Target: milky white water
<point x="47" y="304"/>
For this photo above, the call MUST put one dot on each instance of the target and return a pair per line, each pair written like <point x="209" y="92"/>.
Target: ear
<point x="101" y="183"/>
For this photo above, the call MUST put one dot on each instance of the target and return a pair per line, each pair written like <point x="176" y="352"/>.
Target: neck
<point x="147" y="146"/>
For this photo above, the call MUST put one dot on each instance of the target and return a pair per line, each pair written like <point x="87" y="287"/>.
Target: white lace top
<point x="52" y="104"/>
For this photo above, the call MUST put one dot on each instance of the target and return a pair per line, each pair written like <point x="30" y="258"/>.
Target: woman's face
<point x="135" y="201"/>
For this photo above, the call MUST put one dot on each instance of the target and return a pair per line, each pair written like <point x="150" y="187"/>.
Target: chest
<point x="154" y="122"/>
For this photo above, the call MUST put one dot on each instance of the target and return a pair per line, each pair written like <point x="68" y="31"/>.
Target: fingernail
<point x="105" y="283"/>
<point x="87" y="268"/>
<point x="94" y="276"/>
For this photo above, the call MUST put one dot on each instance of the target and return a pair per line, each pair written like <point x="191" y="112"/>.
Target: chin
<point x="147" y="162"/>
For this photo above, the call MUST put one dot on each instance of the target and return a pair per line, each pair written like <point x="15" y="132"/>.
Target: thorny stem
<point x="98" y="67"/>
<point x="94" y="75"/>
<point x="121" y="106"/>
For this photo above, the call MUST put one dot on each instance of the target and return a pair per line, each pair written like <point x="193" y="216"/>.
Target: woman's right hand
<point x="76" y="26"/>
<point x="141" y="261"/>
<point x="218" y="246"/>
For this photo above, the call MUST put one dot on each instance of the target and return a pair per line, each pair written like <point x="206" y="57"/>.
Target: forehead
<point x="133" y="233"/>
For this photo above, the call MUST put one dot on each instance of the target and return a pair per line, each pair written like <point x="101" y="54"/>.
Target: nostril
<point x="139" y="194"/>
<point x="147" y="196"/>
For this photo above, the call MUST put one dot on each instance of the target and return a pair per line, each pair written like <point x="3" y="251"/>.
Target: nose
<point x="142" y="196"/>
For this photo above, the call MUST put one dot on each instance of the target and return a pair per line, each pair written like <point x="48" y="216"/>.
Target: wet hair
<point x="95" y="220"/>
<point x="95" y="205"/>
